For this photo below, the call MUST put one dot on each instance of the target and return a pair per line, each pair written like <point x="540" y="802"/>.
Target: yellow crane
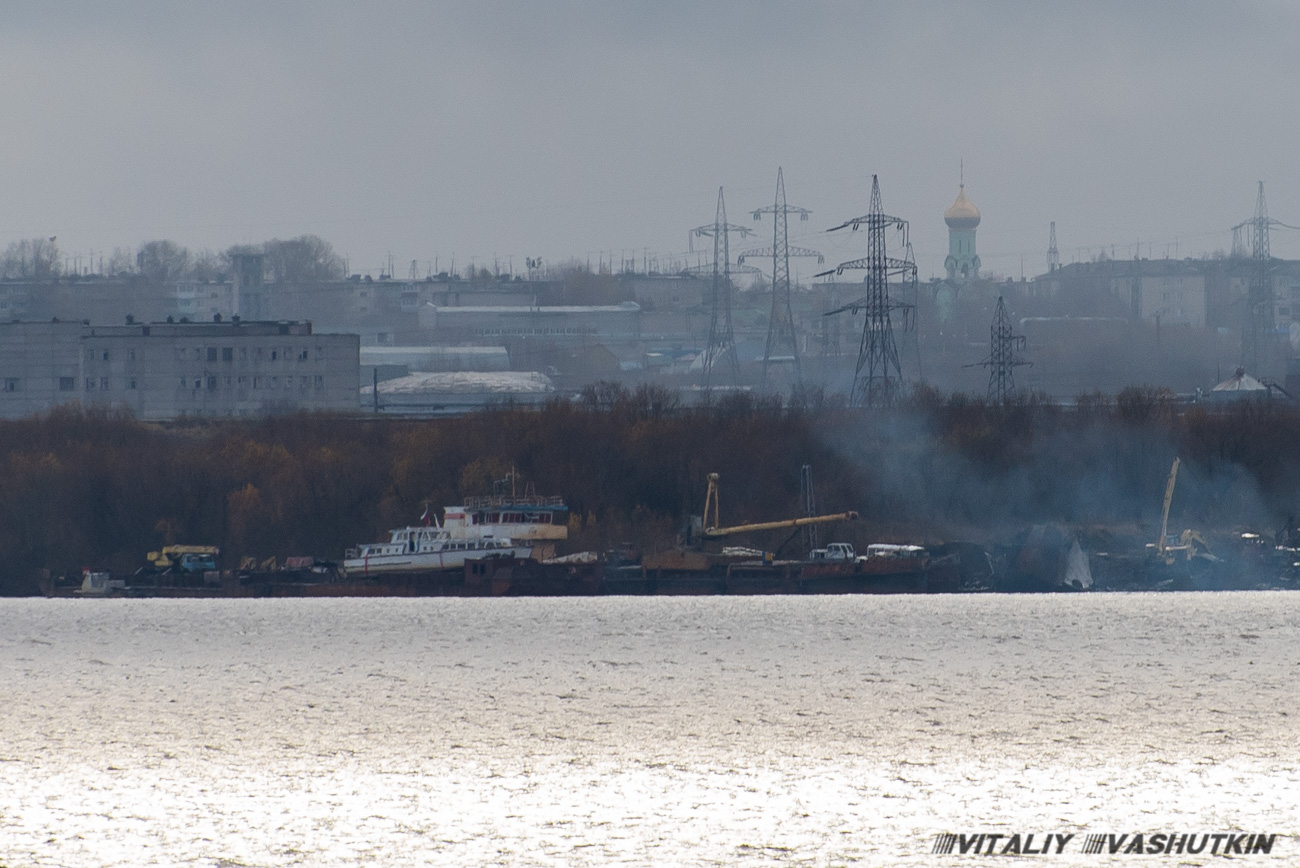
<point x="712" y="531"/>
<point x="1165" y="548"/>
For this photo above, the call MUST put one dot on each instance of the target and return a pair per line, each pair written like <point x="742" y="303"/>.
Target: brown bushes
<point x="98" y="489"/>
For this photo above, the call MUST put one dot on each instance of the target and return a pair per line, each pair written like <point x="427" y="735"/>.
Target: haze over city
<point x="558" y="130"/>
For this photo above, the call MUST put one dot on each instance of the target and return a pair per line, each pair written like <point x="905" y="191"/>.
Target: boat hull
<point x="425" y="561"/>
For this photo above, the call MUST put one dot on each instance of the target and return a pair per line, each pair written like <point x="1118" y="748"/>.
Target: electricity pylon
<point x="1002" y="362"/>
<point x="809" y="502"/>
<point x="1258" y="324"/>
<point x="1053" y="255"/>
<point x="878" y="378"/>
<point x="782" y="343"/>
<point x="722" y="338"/>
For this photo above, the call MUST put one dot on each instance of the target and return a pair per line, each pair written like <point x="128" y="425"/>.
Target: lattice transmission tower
<point x="721" y="348"/>
<point x="1053" y="255"/>
<point x="782" y="343"/>
<point x="1258" y="323"/>
<point x="1004" y="347"/>
<point x="809" y="502"/>
<point x="878" y="377"/>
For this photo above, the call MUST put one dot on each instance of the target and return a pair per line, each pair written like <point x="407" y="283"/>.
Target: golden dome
<point x="963" y="214"/>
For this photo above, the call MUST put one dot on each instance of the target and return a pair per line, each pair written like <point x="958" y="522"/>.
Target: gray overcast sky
<point x="564" y="128"/>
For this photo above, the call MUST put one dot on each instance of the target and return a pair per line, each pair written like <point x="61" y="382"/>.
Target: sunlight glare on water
<point x="643" y="731"/>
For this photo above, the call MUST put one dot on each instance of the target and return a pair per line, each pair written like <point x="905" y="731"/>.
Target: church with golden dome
<point x="963" y="263"/>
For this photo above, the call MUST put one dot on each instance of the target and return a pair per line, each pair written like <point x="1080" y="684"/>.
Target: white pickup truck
<point x="834" y="552"/>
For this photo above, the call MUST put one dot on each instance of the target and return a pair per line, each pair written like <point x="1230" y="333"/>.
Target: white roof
<point x="1240" y="382"/>
<point x="466" y="382"/>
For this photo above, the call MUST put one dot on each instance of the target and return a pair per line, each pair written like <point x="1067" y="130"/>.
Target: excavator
<point x="1170" y="549"/>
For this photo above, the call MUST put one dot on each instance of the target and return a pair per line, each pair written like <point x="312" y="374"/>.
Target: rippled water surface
<point x="643" y="731"/>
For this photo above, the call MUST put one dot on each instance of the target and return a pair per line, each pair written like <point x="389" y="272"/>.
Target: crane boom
<point x="1164" y="516"/>
<point x="715" y="532"/>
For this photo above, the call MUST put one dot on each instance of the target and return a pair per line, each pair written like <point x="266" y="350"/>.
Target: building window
<point x="11" y="384"/>
<point x="184" y="383"/>
<point x="320" y="382"/>
<point x="227" y="354"/>
<point x="198" y="383"/>
<point x="302" y="383"/>
<point x="103" y="382"/>
<point x="302" y="354"/>
<point x="212" y="384"/>
<point x="103" y="355"/>
<point x="90" y="384"/>
<point x="257" y="382"/>
<point x="212" y="354"/>
<point x="242" y="381"/>
<point x="274" y="383"/>
<point x="130" y="355"/>
<point x="130" y="384"/>
<point x="274" y="355"/>
<point x="67" y="384"/>
<point x="198" y="354"/>
<point x="243" y="354"/>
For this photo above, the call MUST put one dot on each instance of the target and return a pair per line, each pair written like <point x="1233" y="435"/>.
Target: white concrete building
<point x="163" y="371"/>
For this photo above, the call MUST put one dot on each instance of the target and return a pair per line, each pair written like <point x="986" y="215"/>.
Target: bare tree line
<point x="305" y="259"/>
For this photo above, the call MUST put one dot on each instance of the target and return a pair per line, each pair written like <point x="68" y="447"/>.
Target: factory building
<point x="561" y="324"/>
<point x="163" y="371"/>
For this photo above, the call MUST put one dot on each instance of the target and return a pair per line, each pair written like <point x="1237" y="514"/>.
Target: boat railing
<point x="506" y="500"/>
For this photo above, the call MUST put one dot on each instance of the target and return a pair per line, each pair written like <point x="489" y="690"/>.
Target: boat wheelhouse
<point x="519" y="517"/>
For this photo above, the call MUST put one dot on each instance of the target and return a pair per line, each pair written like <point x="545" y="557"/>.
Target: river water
<point x="641" y="731"/>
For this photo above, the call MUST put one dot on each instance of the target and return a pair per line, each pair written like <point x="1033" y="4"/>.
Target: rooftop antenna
<point x="878" y="377"/>
<point x="782" y="344"/>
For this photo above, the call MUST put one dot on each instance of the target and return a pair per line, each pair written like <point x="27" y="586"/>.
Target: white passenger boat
<point x="427" y="547"/>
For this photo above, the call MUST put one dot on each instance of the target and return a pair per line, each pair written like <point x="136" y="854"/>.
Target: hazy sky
<point x="563" y="129"/>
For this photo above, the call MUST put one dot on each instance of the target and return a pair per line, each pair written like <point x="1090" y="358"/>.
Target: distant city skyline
<point x="576" y="130"/>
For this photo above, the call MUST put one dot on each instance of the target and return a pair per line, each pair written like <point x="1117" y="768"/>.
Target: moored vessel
<point x="427" y="547"/>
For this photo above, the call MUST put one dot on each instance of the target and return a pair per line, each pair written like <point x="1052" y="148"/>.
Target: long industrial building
<point x="163" y="371"/>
